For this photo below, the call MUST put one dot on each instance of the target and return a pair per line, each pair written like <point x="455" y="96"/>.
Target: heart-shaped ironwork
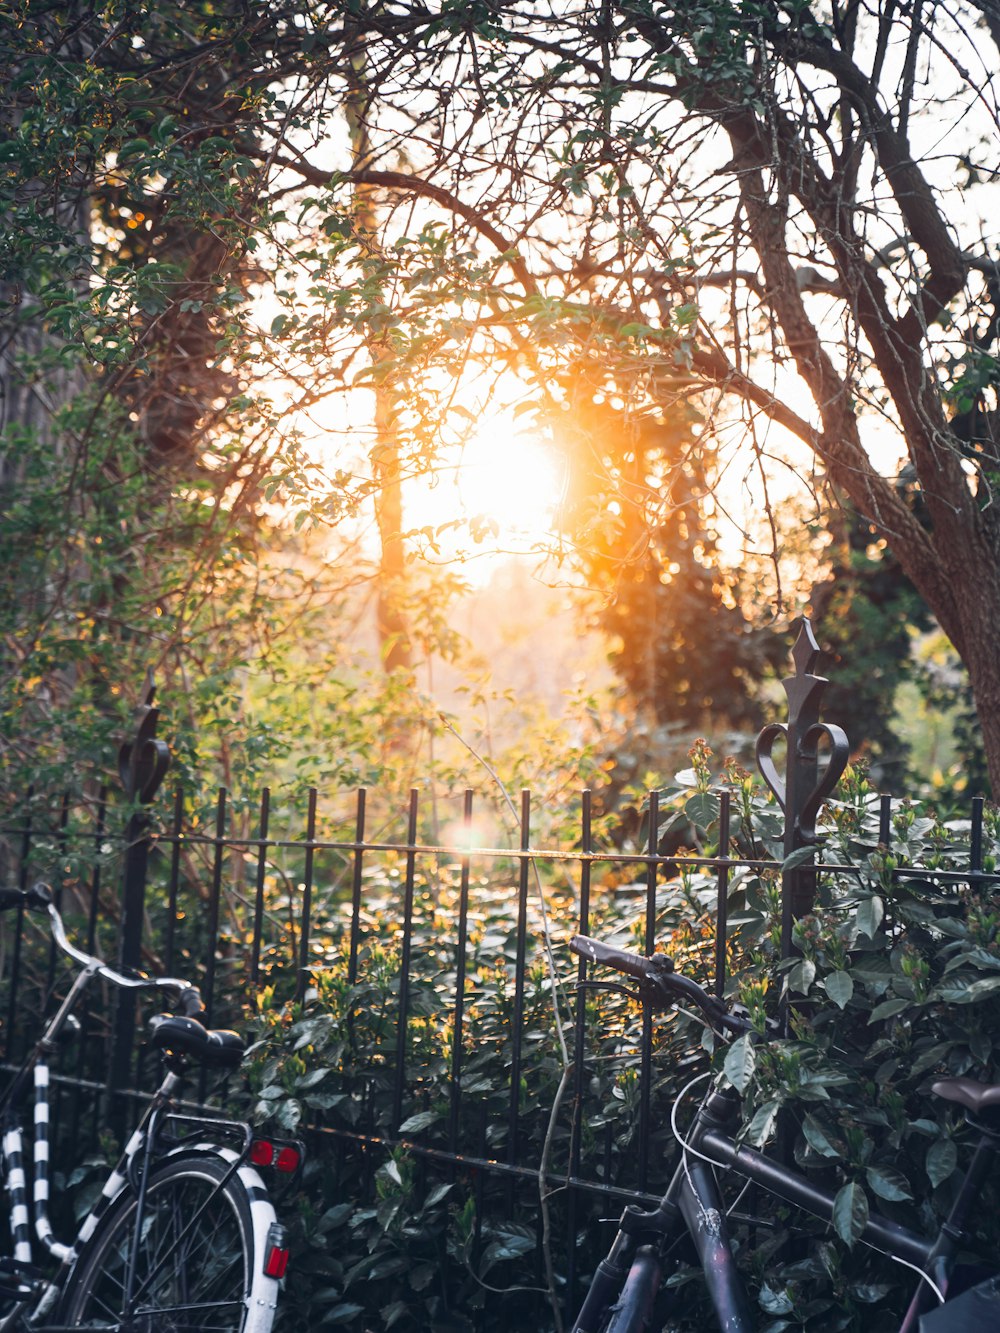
<point x="143" y="762"/>
<point x="765" y="764"/>
<point x="840" y="752"/>
<point x="807" y="751"/>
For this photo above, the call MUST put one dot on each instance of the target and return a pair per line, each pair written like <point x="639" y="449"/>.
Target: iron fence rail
<point x="233" y="955"/>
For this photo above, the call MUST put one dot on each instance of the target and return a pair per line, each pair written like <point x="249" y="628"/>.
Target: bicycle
<point x="628" y="1280"/>
<point x="183" y="1235"/>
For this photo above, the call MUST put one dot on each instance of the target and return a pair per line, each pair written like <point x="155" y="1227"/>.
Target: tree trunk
<point x="390" y="615"/>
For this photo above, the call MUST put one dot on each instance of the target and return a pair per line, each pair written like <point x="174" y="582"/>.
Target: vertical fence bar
<point x="646" y="1052"/>
<point x="305" y="924"/>
<point x="95" y="875"/>
<point x="218" y="847"/>
<point x="722" y="898"/>
<point x="173" y="887"/>
<point x="95" y="902"/>
<point x="586" y="845"/>
<point x="142" y="765"/>
<point x="579" y="1044"/>
<point x="57" y="888"/>
<point x="517" y="1018"/>
<point x="359" y="838"/>
<point x="976" y="842"/>
<point x="263" y="823"/>
<point x="976" y="836"/>
<point x="885" y="819"/>
<point x="885" y="840"/>
<point x="15" y="962"/>
<point x="460" y="948"/>
<point x="402" y="1021"/>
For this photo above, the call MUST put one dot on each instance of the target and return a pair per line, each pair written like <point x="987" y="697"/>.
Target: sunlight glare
<point x="510" y="480"/>
<point x="503" y="487"/>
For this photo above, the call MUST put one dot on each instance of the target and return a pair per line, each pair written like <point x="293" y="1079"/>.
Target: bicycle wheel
<point x="199" y="1264"/>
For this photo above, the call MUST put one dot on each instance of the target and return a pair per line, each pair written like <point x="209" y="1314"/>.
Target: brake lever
<point x="630" y="994"/>
<point x="647" y="993"/>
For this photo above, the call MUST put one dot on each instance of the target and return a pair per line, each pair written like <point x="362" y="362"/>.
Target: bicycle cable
<point x="686" y="1148"/>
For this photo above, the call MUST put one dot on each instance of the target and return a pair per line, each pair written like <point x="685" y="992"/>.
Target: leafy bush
<point x="897" y="981"/>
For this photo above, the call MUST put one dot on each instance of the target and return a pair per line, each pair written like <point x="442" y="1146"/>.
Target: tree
<point x="137" y="444"/>
<point x="772" y="204"/>
<point x="641" y="490"/>
<point x="770" y="208"/>
<point x="865" y="614"/>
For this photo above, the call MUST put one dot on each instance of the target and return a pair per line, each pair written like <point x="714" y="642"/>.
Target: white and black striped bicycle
<point x="183" y="1236"/>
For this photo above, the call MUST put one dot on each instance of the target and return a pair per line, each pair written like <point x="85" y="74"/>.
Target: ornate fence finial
<point x="804" y="788"/>
<point x="143" y="761"/>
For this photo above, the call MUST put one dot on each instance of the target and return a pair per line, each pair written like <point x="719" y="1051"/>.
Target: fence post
<point x="142" y="764"/>
<point x="805" y="787"/>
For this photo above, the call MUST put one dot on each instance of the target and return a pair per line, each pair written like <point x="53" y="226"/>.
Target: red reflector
<point x="287" y="1160"/>
<point x="276" y="1262"/>
<point x="261" y="1152"/>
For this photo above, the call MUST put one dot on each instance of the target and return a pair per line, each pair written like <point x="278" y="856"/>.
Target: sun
<point x="512" y="480"/>
<point x="496" y="493"/>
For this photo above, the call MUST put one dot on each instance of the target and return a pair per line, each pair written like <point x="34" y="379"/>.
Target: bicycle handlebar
<point x="658" y="980"/>
<point x="39" y="898"/>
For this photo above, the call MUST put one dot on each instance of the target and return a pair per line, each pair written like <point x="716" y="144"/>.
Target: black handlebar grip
<point x="190" y="1003"/>
<point x="40" y="895"/>
<point x="632" y="964"/>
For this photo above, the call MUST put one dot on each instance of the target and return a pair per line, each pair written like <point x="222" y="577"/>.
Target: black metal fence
<point x="239" y="903"/>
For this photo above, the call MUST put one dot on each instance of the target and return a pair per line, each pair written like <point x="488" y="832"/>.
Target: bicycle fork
<point x="626" y="1282"/>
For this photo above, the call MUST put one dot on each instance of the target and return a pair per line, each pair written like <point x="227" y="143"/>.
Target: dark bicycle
<point x="627" y="1282"/>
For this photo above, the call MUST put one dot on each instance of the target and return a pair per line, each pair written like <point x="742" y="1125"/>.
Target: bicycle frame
<point x="131" y="1169"/>
<point x="693" y="1203"/>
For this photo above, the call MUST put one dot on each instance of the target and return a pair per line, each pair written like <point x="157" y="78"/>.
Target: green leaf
<point x="815" y="1135"/>
<point x="342" y="1314"/>
<point x="802" y="976"/>
<point x="775" y="1302"/>
<point x="980" y="989"/>
<point x="506" y="1245"/>
<point x="887" y="1008"/>
<point x="870" y="1292"/>
<point x="438" y="1193"/>
<point x="289" y="1114"/>
<point x="850" y="1212"/>
<point x="762" y="1124"/>
<point x="390" y="1171"/>
<point x="942" y="1158"/>
<point x="310" y="1078"/>
<point x="702" y="808"/>
<point x="798" y="858"/>
<point x="839" y="987"/>
<point x="422" y="1120"/>
<point x="888" y="1183"/>
<point x="869" y="915"/>
<point x="335" y="1216"/>
<point x="741" y="1060"/>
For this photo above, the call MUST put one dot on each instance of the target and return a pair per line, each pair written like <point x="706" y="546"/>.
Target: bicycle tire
<point x="633" y="1310"/>
<point x="210" y="1280"/>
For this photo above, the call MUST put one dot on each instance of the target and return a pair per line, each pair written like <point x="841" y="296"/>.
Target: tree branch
<point x="407" y="182"/>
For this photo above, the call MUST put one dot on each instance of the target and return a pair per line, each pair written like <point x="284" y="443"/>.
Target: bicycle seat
<point x="215" y="1047"/>
<point x="980" y="1099"/>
